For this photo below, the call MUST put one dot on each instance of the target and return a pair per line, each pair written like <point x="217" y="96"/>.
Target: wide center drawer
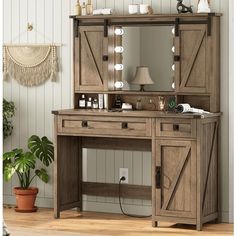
<point x="168" y="127"/>
<point x="112" y="126"/>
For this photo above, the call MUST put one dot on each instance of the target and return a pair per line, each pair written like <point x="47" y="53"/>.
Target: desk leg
<point x="154" y="223"/>
<point x="68" y="174"/>
<point x="80" y="156"/>
<point x="56" y="213"/>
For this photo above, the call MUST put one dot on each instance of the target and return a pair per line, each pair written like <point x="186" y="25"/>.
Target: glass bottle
<point x="83" y="9"/>
<point x="89" y="103"/>
<point x="78" y="8"/>
<point x="95" y="104"/>
<point x="139" y="104"/>
<point x="82" y="102"/>
<point x="89" y="8"/>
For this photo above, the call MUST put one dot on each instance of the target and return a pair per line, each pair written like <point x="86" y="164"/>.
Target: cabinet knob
<point x="176" y="127"/>
<point x="124" y="125"/>
<point x="84" y="124"/>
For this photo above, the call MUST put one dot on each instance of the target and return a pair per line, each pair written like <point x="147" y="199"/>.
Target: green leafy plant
<point x="20" y="162"/>
<point x="8" y="113"/>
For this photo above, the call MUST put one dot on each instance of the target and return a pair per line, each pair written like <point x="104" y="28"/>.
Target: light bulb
<point x="119" y="31"/>
<point x="119" y="84"/>
<point x="173" y="85"/>
<point x="173" y="49"/>
<point x="119" y="49"/>
<point x="173" y="67"/>
<point x="173" y="31"/>
<point x="119" y="67"/>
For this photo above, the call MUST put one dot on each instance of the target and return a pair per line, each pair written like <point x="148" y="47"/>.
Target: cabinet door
<point x="192" y="70"/>
<point x="90" y="68"/>
<point x="175" y="178"/>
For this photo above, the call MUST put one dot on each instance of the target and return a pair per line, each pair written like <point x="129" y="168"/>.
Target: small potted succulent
<point x="23" y="163"/>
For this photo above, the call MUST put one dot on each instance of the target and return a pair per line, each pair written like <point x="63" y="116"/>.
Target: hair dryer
<point x="185" y="107"/>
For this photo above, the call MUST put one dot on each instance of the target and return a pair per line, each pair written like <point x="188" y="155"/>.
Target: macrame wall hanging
<point x="29" y="64"/>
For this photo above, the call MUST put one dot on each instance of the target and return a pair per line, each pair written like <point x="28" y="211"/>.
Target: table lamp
<point x="142" y="77"/>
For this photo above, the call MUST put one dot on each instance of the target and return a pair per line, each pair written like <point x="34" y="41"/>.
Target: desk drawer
<point x="112" y="126"/>
<point x="176" y="128"/>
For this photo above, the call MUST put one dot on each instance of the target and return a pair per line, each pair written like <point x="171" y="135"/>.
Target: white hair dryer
<point x="185" y="107"/>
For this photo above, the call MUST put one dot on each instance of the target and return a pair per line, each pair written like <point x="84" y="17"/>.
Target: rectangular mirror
<point x="149" y="46"/>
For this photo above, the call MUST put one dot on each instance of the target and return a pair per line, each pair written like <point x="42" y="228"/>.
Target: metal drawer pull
<point x="176" y="127"/>
<point x="124" y="125"/>
<point x="84" y="124"/>
<point x="158" y="177"/>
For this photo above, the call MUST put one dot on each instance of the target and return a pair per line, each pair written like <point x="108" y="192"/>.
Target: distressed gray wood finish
<point x="184" y="148"/>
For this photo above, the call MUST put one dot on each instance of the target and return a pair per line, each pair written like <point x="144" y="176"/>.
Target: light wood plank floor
<point x="91" y="223"/>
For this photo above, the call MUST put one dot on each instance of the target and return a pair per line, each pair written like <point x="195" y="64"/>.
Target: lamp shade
<point x="142" y="76"/>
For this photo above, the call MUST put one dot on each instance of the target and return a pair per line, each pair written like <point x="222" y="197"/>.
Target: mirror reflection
<point x="148" y="46"/>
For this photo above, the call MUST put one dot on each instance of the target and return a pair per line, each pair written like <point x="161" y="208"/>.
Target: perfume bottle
<point x="83" y="9"/>
<point x="95" y="104"/>
<point x="78" y="8"/>
<point x="89" y="8"/>
<point x="89" y="103"/>
<point x="82" y="102"/>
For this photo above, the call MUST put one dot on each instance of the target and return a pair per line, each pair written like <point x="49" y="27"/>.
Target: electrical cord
<point x="126" y="214"/>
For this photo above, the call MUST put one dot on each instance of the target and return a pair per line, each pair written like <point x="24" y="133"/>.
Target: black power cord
<point x="136" y="216"/>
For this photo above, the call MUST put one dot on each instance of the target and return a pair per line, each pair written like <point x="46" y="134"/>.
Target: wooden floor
<point x="91" y="223"/>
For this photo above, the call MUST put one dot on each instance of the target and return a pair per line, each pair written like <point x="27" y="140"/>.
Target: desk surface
<point x="147" y="114"/>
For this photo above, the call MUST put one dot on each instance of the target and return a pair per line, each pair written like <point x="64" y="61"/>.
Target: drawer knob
<point x="84" y="123"/>
<point x="176" y="127"/>
<point x="124" y="125"/>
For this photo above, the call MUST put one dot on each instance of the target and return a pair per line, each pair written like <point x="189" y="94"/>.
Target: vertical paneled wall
<point x="33" y="115"/>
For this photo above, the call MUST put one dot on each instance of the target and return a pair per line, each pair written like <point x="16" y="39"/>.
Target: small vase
<point x="203" y="6"/>
<point x="25" y="199"/>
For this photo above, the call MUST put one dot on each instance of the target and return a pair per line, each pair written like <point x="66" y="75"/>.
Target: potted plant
<point x="8" y="113"/>
<point x="22" y="164"/>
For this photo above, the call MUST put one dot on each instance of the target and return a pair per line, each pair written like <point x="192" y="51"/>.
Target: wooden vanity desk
<point x="184" y="147"/>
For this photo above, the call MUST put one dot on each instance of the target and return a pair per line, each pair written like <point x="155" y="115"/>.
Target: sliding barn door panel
<point x="176" y="195"/>
<point x="192" y="70"/>
<point x="90" y="68"/>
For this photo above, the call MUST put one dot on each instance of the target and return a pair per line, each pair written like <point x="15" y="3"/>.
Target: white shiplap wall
<point x="33" y="116"/>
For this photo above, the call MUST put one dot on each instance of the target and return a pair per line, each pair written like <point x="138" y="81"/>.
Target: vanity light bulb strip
<point x="173" y="67"/>
<point x="119" y="67"/>
<point x="119" y="49"/>
<point x="119" y="31"/>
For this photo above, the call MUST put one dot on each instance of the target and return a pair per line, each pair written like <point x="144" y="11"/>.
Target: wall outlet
<point x="124" y="172"/>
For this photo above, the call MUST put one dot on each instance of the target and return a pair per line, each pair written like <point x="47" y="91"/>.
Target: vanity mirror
<point x="149" y="46"/>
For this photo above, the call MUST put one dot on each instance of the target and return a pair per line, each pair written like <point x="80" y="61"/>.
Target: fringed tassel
<point x="55" y="68"/>
<point x="5" y="72"/>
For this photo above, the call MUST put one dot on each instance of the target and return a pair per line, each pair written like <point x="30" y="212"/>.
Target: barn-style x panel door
<point x="192" y="69"/>
<point x="176" y="162"/>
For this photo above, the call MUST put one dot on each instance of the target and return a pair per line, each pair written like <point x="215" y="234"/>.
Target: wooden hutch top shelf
<point x="195" y="15"/>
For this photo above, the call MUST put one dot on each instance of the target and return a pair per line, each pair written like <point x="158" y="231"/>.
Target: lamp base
<point x="142" y="88"/>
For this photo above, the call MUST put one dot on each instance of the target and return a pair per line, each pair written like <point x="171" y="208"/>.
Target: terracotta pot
<point x="25" y="199"/>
